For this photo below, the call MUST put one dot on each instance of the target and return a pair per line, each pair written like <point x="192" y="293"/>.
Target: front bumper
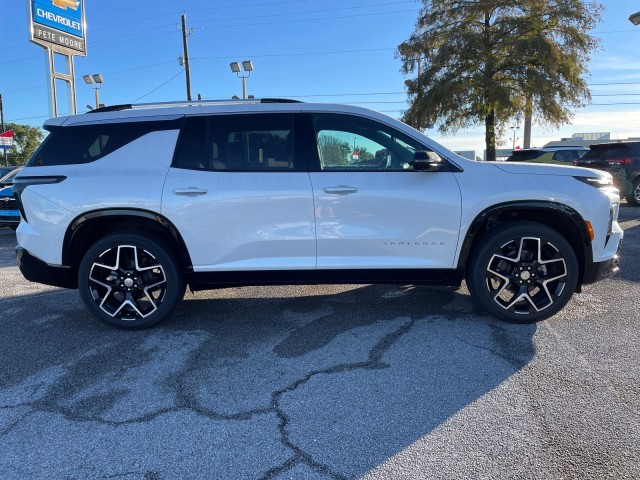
<point x="35" y="270"/>
<point x="595" y="271"/>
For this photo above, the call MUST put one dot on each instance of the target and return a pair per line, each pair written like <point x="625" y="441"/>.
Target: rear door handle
<point x="190" y="192"/>
<point x="341" y="190"/>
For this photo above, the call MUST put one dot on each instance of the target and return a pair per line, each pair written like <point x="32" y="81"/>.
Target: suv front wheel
<point x="633" y="198"/>
<point x="523" y="272"/>
<point x="129" y="281"/>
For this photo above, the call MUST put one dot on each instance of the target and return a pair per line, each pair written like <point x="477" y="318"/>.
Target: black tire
<point x="522" y="272"/>
<point x="633" y="198"/>
<point x="129" y="281"/>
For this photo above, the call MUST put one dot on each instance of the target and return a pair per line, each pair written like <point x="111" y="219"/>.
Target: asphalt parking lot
<point x="322" y="382"/>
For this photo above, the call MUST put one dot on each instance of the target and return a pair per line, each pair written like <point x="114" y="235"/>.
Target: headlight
<point x="598" y="182"/>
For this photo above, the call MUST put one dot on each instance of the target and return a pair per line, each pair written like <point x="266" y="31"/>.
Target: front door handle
<point x="341" y="190"/>
<point x="190" y="192"/>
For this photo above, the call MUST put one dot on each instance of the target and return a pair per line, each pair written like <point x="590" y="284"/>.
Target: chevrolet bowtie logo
<point x="65" y="3"/>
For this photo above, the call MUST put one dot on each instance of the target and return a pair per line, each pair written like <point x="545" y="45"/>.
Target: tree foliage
<point x="336" y="152"/>
<point x="480" y="60"/>
<point x="25" y="140"/>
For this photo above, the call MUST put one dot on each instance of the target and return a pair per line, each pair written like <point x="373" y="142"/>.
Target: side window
<point x="565" y="155"/>
<point x="253" y="142"/>
<point x="246" y="142"/>
<point x="190" y="152"/>
<point x="87" y="143"/>
<point x="347" y="142"/>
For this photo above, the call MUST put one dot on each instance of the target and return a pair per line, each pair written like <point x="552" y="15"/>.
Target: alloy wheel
<point x="526" y="275"/>
<point x="127" y="282"/>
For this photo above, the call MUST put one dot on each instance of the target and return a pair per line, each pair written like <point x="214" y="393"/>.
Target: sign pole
<point x="2" y="120"/>
<point x="51" y="80"/>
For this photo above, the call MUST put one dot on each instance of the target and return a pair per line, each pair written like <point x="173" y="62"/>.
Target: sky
<point x="309" y="50"/>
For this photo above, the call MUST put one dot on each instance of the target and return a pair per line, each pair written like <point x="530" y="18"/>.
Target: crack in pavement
<point x="184" y="402"/>
<point x="146" y="357"/>
<point x="300" y="457"/>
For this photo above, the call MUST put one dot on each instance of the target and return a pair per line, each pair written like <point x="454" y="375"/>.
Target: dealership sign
<point x="58" y="25"/>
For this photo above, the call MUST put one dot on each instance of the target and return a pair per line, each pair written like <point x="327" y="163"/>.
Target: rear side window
<point x="603" y="152"/>
<point x="238" y="143"/>
<point x="524" y="155"/>
<point x="87" y="143"/>
<point x="567" y="155"/>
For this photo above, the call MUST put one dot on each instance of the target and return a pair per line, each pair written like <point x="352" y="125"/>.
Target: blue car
<point x="9" y="213"/>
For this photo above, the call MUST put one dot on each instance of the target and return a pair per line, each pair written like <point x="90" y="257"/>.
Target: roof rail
<point x="186" y="103"/>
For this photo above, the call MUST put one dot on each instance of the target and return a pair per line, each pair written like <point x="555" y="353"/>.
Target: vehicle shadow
<point x="335" y="380"/>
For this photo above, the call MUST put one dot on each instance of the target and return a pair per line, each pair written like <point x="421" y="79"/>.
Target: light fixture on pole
<point x="95" y="79"/>
<point x="515" y="128"/>
<point x="635" y="18"/>
<point x="247" y="66"/>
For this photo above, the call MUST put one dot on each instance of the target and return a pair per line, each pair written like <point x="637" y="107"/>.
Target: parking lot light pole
<point x="247" y="66"/>
<point x="635" y="18"/>
<point x="95" y="79"/>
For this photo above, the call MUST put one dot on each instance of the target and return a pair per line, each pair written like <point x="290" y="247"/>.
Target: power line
<point x="341" y="17"/>
<point x="158" y="87"/>
<point x="326" y="10"/>
<point x="268" y="55"/>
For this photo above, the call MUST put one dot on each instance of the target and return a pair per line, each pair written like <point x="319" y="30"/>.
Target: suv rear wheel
<point x="523" y="272"/>
<point x="129" y="281"/>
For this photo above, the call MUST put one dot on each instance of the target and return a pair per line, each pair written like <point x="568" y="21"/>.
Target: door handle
<point x="340" y="190"/>
<point x="190" y="192"/>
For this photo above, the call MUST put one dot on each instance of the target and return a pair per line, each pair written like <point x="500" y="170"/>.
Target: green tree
<point x="479" y="61"/>
<point x="25" y="140"/>
<point x="333" y="151"/>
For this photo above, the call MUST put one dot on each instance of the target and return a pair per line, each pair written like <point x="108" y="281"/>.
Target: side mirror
<point x="425" y="161"/>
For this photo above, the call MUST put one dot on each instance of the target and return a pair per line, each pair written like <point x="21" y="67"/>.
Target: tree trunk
<point x="490" y="136"/>
<point x="528" y="113"/>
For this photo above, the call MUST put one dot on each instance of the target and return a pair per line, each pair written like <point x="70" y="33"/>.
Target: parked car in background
<point x="9" y="212"/>
<point x="558" y="155"/>
<point x="622" y="161"/>
<point x="7" y="178"/>
<point x="5" y="170"/>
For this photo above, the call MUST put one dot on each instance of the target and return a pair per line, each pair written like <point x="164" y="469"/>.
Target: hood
<point x="548" y="169"/>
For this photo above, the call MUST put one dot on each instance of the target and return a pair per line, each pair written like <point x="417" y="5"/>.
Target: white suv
<point x="130" y="205"/>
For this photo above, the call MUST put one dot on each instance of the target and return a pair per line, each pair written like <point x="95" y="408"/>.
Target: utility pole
<point x="186" y="55"/>
<point x="2" y="125"/>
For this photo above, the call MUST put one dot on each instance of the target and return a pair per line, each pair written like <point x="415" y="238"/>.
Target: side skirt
<point x="211" y="280"/>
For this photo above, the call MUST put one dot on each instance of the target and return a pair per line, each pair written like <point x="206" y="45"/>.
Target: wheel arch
<point x="562" y="218"/>
<point x="89" y="227"/>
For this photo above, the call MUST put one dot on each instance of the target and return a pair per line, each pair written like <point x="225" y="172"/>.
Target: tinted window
<point x="567" y="155"/>
<point x="87" y="143"/>
<point x="347" y="142"/>
<point x="602" y="152"/>
<point x="251" y="142"/>
<point x="524" y="155"/>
